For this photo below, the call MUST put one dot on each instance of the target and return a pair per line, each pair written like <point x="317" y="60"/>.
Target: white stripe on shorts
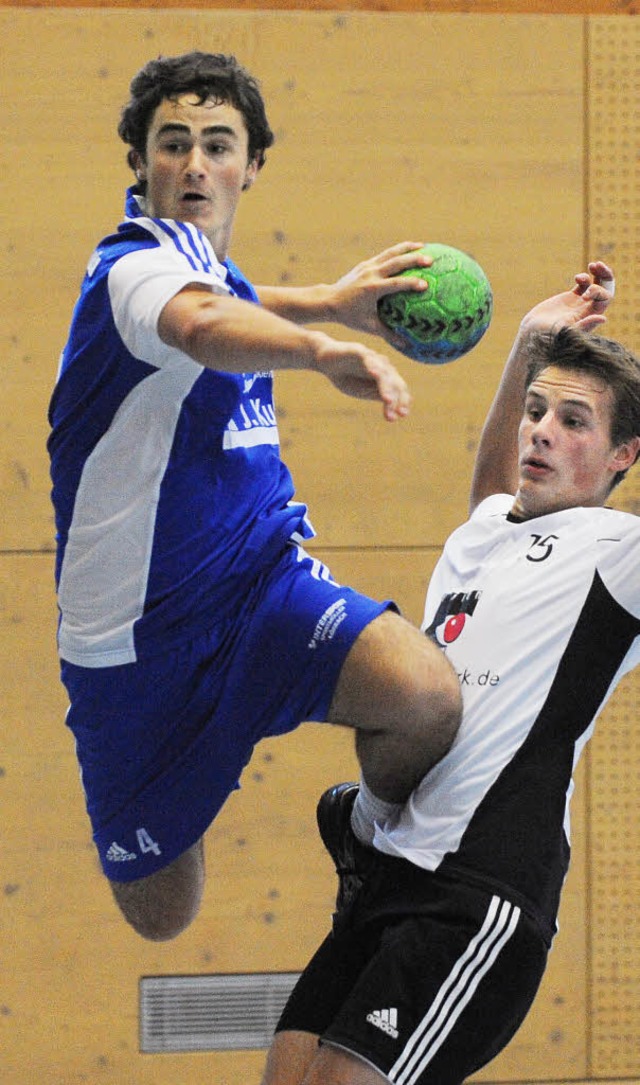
<point x="456" y="992"/>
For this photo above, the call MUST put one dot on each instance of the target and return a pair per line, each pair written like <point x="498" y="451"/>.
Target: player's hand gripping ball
<point x="446" y="321"/>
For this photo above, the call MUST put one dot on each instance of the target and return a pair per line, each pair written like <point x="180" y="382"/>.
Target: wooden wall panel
<point x="486" y="7"/>
<point x="614" y="228"/>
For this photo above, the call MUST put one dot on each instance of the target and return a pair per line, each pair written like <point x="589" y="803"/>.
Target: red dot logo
<point x="453" y="627"/>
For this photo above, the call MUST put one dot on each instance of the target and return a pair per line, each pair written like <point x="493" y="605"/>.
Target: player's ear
<point x="625" y="455"/>
<point x="250" y="174"/>
<point x="138" y="165"/>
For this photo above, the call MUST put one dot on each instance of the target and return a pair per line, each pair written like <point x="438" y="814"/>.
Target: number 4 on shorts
<point x="145" y="843"/>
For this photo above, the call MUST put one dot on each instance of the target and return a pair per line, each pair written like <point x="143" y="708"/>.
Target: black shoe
<point x="352" y="858"/>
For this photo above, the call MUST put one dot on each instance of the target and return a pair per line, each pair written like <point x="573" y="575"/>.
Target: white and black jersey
<point x="540" y="620"/>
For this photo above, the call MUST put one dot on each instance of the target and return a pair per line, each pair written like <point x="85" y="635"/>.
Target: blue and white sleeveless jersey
<point x="541" y="619"/>
<point x="168" y="487"/>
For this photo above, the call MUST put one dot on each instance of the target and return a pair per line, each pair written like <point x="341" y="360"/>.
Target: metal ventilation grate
<point x="211" y="1013"/>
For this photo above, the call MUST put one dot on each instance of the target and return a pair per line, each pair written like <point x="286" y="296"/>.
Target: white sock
<point x="367" y="810"/>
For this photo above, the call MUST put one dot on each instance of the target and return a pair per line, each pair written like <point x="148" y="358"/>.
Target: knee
<point x="162" y="932"/>
<point x="163" y="905"/>
<point x="450" y="692"/>
<point x="441" y="698"/>
<point x="431" y="701"/>
<point x="449" y="712"/>
<point x="158" y="927"/>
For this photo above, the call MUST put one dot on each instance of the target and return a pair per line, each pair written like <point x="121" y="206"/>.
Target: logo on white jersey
<point x="385" y="1020"/>
<point x="117" y="854"/>
<point x="541" y="547"/>
<point x="451" y="616"/>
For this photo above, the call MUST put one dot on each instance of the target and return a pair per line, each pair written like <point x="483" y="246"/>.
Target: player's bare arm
<point x="584" y="306"/>
<point x="353" y="299"/>
<point x="235" y="336"/>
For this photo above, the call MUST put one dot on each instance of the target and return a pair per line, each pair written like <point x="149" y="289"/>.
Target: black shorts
<point x="427" y="991"/>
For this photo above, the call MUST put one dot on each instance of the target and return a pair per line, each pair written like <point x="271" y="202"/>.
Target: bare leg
<point x="295" y="1059"/>
<point x="164" y="904"/>
<point x="403" y="697"/>
<point x="290" y="1056"/>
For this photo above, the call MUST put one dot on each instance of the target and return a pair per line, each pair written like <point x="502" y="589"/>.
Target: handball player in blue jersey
<point x="192" y="621"/>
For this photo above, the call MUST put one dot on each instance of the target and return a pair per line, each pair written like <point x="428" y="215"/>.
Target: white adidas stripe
<point x="456" y="992"/>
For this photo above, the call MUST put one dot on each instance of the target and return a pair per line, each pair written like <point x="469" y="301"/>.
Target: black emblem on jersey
<point x="541" y="547"/>
<point x="451" y="616"/>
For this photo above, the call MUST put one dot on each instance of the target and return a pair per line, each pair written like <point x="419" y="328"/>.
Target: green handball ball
<point x="447" y="320"/>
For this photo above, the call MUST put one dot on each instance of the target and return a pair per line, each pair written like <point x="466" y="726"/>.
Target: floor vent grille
<point x="211" y="1013"/>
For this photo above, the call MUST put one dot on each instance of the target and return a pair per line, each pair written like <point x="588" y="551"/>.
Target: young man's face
<point x="197" y="165"/>
<point x="566" y="458"/>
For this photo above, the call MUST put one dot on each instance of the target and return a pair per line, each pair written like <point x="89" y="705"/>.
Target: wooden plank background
<point x="465" y="7"/>
<point x="514" y="136"/>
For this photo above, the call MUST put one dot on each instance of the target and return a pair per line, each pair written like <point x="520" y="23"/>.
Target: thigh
<point x="296" y="636"/>
<point x="333" y="1066"/>
<point x="295" y="1059"/>
<point x="396" y="681"/>
<point x="391" y="664"/>
<point x="289" y="1058"/>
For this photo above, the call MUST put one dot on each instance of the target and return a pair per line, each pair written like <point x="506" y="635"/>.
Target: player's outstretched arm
<point x="230" y="335"/>
<point x="584" y="306"/>
<point x="353" y="299"/>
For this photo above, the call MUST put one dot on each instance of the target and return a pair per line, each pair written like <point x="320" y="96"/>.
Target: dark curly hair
<point x="612" y="363"/>
<point x="207" y="75"/>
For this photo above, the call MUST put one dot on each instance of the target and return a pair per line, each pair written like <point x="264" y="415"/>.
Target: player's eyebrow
<point x="539" y="397"/>
<point x="535" y="397"/>
<point x="212" y="129"/>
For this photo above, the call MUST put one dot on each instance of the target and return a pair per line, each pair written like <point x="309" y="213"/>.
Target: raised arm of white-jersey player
<point x="230" y="335"/>
<point x="496" y="464"/>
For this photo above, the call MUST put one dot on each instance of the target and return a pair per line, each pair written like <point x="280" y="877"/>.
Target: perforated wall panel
<point x="613" y="171"/>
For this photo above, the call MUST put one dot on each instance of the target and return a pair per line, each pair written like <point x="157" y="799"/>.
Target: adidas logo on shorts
<point x="386" y="1020"/>
<point x="116" y="854"/>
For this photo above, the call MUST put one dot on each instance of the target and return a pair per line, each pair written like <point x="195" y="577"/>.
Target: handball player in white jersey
<point x="192" y="621"/>
<point x="442" y="929"/>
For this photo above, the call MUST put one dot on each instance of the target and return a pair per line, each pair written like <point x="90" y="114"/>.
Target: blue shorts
<point x="162" y="742"/>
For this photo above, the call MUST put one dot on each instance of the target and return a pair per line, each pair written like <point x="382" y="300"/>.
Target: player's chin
<point x="536" y="501"/>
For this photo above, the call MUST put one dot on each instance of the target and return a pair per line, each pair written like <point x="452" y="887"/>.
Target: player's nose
<point x="542" y="431"/>
<point x="196" y="163"/>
